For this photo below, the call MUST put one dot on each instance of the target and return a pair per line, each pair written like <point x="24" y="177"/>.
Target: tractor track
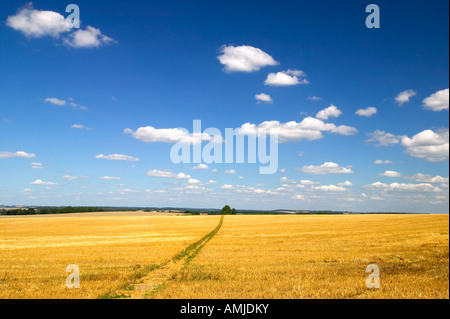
<point x="150" y="280"/>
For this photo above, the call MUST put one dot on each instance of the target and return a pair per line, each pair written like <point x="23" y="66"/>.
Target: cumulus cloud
<point x="118" y="157"/>
<point x="37" y="23"/>
<point x="427" y="178"/>
<point x="405" y="96"/>
<point x="167" y="174"/>
<point x="368" y="112"/>
<point x="432" y="146"/>
<point x="211" y="181"/>
<point x="392" y="174"/>
<point x="437" y="101"/>
<point x="286" y="78"/>
<point x="331" y="111"/>
<point x="194" y="181"/>
<point x="381" y="138"/>
<point x="244" y="58"/>
<point x="16" y="154"/>
<point x="383" y="162"/>
<point x="309" y="128"/>
<point x="89" y="38"/>
<point x="421" y="187"/>
<point x="330" y="188"/>
<point x="150" y="134"/>
<point x="55" y="101"/>
<point x="314" y="98"/>
<point x="263" y="98"/>
<point x="230" y="171"/>
<point x="41" y="182"/>
<point x="326" y="168"/>
<point x="346" y="183"/>
<point x="201" y="166"/>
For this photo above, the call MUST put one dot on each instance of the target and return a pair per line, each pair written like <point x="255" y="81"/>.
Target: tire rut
<point x="151" y="280"/>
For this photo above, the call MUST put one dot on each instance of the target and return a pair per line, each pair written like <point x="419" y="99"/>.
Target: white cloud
<point x="421" y="187"/>
<point x="230" y="171"/>
<point x="425" y="178"/>
<point x="244" y="58"/>
<point x="309" y="128"/>
<point x="89" y="38"/>
<point x="16" y="154"/>
<point x="110" y="178"/>
<point x="201" y="166"/>
<point x="226" y="186"/>
<point x="381" y="138"/>
<point x="286" y="78"/>
<point x="314" y="98"/>
<point x="330" y="188"/>
<point x="382" y="162"/>
<point x="263" y="97"/>
<point x="368" y="112"/>
<point x="405" y="96"/>
<point x="72" y="178"/>
<point x="298" y="196"/>
<point x="81" y="127"/>
<point x="118" y="157"/>
<point x="60" y="102"/>
<point x="432" y="146"/>
<point x="326" y="168"/>
<point x="283" y="170"/>
<point x="437" y="101"/>
<point x="38" y="23"/>
<point x="194" y="181"/>
<point x="331" y="111"/>
<point x="41" y="182"/>
<point x="346" y="183"/>
<point x="308" y="182"/>
<point x="167" y="174"/>
<point x="36" y="165"/>
<point x="55" y="101"/>
<point x="284" y="179"/>
<point x="150" y="134"/>
<point x="211" y="181"/>
<point x="392" y="174"/>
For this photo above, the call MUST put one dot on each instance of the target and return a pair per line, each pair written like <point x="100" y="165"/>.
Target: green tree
<point x="233" y="212"/>
<point x="226" y="210"/>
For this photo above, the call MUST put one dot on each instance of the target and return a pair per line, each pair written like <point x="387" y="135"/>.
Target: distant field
<point x="137" y="255"/>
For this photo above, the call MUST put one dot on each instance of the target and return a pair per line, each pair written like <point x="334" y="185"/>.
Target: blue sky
<point x="67" y="95"/>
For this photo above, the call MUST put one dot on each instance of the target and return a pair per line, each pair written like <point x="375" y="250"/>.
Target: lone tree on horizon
<point x="226" y="210"/>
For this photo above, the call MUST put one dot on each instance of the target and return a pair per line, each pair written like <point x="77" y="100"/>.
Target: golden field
<point x="287" y="256"/>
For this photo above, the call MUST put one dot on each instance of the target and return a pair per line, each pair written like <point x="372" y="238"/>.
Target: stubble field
<point x="288" y="256"/>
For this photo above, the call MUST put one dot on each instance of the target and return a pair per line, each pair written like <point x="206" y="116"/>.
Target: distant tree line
<point x="61" y="210"/>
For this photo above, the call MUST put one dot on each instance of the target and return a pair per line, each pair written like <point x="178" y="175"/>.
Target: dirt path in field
<point x="150" y="280"/>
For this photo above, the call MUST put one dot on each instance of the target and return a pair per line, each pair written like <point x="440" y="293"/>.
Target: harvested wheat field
<point x="288" y="256"/>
